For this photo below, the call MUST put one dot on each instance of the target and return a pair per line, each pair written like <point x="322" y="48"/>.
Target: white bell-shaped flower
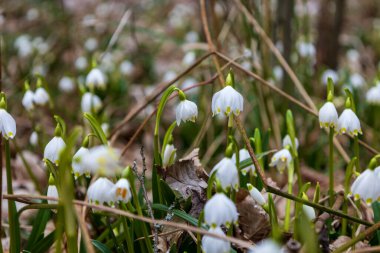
<point x="66" y="84"/>
<point x="357" y="80"/>
<point x="102" y="160"/>
<point x="281" y="159"/>
<point x="288" y="142"/>
<point x="90" y="102"/>
<point x="33" y="139"/>
<point x="214" y="245"/>
<point x="366" y="186"/>
<point x="227" y="101"/>
<point x="169" y="155"/>
<point x="91" y="44"/>
<point x="126" y="68"/>
<point x="77" y="163"/>
<point x="373" y="95"/>
<point x="309" y="212"/>
<point x="266" y="246"/>
<point x="186" y="111"/>
<point x="7" y="125"/>
<point x="52" y="192"/>
<point x="329" y="73"/>
<point x="53" y="149"/>
<point x="28" y="100"/>
<point x="81" y="63"/>
<point x="220" y="210"/>
<point x="349" y="123"/>
<point x="96" y="79"/>
<point x="244" y="155"/>
<point x="122" y="190"/>
<point x="256" y="195"/>
<point x="100" y="191"/>
<point x="41" y="97"/>
<point x="226" y="173"/>
<point x="328" y="116"/>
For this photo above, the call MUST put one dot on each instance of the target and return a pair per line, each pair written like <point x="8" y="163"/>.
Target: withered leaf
<point x="188" y="177"/>
<point x="253" y="220"/>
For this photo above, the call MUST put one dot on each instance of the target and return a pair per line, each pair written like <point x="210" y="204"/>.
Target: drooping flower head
<point x="214" y="245"/>
<point x="220" y="210"/>
<point x="96" y="79"/>
<point x="281" y="159"/>
<point x="90" y="103"/>
<point x="366" y="186"/>
<point x="266" y="246"/>
<point x="28" y="100"/>
<point x="169" y="155"/>
<point x="186" y="110"/>
<point x="373" y="95"/>
<point x="288" y="142"/>
<point x="226" y="173"/>
<point x="243" y="155"/>
<point x="55" y="147"/>
<point x="52" y="190"/>
<point x="77" y="163"/>
<point x="122" y="190"/>
<point x="66" y="84"/>
<point x="41" y="97"/>
<point x="7" y="122"/>
<point x="102" y="160"/>
<point x="256" y="195"/>
<point x="349" y="123"/>
<point x="100" y="191"/>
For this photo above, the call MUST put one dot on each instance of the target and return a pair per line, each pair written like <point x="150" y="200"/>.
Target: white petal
<point x="8" y="124"/>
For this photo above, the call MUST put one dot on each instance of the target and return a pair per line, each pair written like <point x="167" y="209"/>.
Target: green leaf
<point x="62" y="124"/>
<point x="100" y="246"/>
<point x="44" y="244"/>
<point x="39" y="225"/>
<point x="180" y="214"/>
<point x="96" y="127"/>
<point x="247" y="162"/>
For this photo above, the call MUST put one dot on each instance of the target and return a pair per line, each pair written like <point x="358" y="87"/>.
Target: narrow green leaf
<point x="44" y="244"/>
<point x="100" y="246"/>
<point x="62" y="124"/>
<point x="96" y="127"/>
<point x="39" y="225"/>
<point x="247" y="162"/>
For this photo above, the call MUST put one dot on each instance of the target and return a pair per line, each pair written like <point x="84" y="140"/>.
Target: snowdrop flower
<point x="52" y="190"/>
<point x="27" y="100"/>
<point x="281" y="159"/>
<point x="90" y="102"/>
<point x="41" y="97"/>
<point x="32" y="14"/>
<point x="53" y="149"/>
<point x="189" y="58"/>
<point x="33" y="139"/>
<point x="288" y="142"/>
<point x="191" y="37"/>
<point x="186" y="111"/>
<point x="329" y="73"/>
<point x="357" y="80"/>
<point x="66" y="84"/>
<point x="266" y="246"/>
<point x="366" y="186"/>
<point x="244" y="155"/>
<point x="122" y="190"/>
<point x="256" y="195"/>
<point x="214" y="245"/>
<point x="23" y="45"/>
<point x="220" y="210"/>
<point x="309" y="212"/>
<point x="349" y="123"/>
<point x="227" y="101"/>
<point x="169" y="155"/>
<point x="328" y="116"/>
<point x="7" y="124"/>
<point x="227" y="173"/>
<point x="126" y="68"/>
<point x="78" y="167"/>
<point x="373" y="95"/>
<point x="91" y="44"/>
<point x="278" y="73"/>
<point x="95" y="79"/>
<point x="100" y="191"/>
<point x="81" y="63"/>
<point x="306" y="49"/>
<point x="102" y="160"/>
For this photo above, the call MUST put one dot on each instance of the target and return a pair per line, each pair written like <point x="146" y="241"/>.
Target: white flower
<point x="41" y="97"/>
<point x="328" y="116"/>
<point x="52" y="192"/>
<point x="366" y="186"/>
<point x="357" y="80"/>
<point x="102" y="160"/>
<point x="278" y="73"/>
<point x="122" y="190"/>
<point x="214" y="245"/>
<point x="220" y="210"/>
<point x="228" y="101"/>
<point x="169" y="76"/>
<point x="287" y="141"/>
<point x="306" y="49"/>
<point x="53" y="149"/>
<point x="33" y="139"/>
<point x="373" y="95"/>
<point x="126" y="68"/>
<point x="91" y="44"/>
<point x="256" y="195"/>
<point x="309" y="212"/>
<point x="186" y="111"/>
<point x="349" y="122"/>
<point x="7" y="125"/>
<point x="96" y="79"/>
<point x="227" y="173"/>
<point x="78" y="167"/>
<point x="90" y="102"/>
<point x="27" y="100"/>
<point x="266" y="246"/>
<point x="191" y="37"/>
<point x="66" y="84"/>
<point x="81" y="63"/>
<point x="189" y="58"/>
<point x="281" y="159"/>
<point x="24" y="45"/>
<point x="100" y="191"/>
<point x="169" y="155"/>
<point x="329" y="73"/>
<point x="244" y="155"/>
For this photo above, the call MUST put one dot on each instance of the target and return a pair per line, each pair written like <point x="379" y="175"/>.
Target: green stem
<point x="331" y="167"/>
<point x="14" y="227"/>
<point x="288" y="201"/>
<point x="356" y="152"/>
<point x="126" y="231"/>
<point x="347" y="180"/>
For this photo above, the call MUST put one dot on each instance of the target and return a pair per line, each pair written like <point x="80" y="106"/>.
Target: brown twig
<point x="85" y="235"/>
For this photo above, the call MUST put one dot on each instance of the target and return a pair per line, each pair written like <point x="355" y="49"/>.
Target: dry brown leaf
<point x="344" y="239"/>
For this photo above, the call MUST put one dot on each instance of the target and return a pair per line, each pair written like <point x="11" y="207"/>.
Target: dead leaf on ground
<point x="344" y="239"/>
